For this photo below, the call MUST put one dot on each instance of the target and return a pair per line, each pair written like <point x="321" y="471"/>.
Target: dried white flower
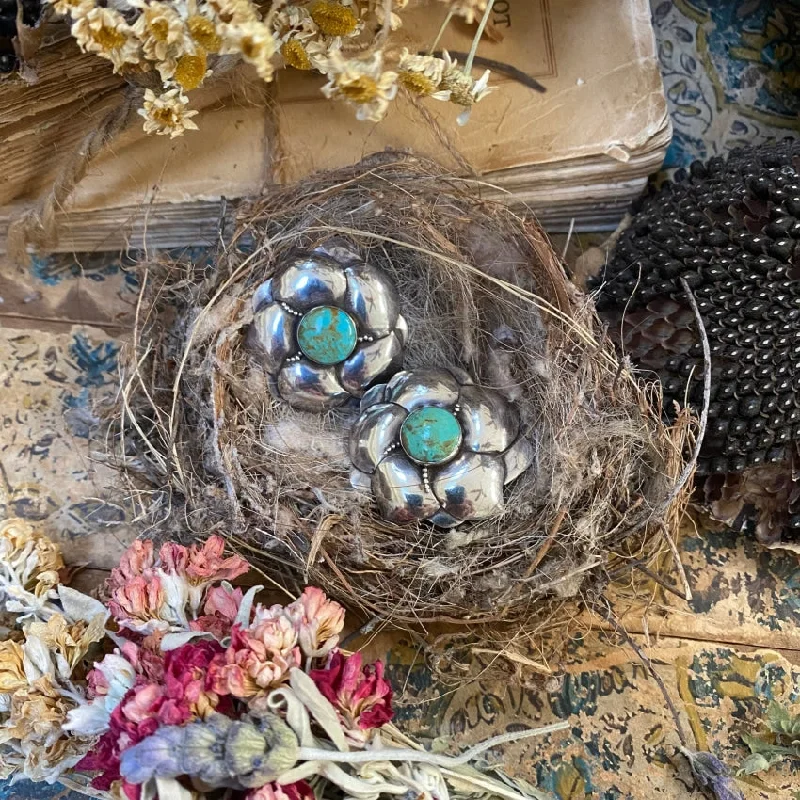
<point x="469" y="10"/>
<point x="232" y="12"/>
<point x="362" y="83"/>
<point x="254" y="42"/>
<point x="161" y="31"/>
<point x="105" y="32"/>
<point x="464" y="89"/>
<point x="422" y="75"/>
<point x="294" y="22"/>
<point x="376" y="7"/>
<point x="166" y="114"/>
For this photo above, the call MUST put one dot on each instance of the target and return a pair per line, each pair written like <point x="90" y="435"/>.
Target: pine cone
<point x="731" y="229"/>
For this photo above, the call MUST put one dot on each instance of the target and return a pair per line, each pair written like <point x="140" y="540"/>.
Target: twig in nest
<point x="367" y="628"/>
<point x="687" y="590"/>
<point x="547" y="543"/>
<point x="659" y="580"/>
<point x="691" y="464"/>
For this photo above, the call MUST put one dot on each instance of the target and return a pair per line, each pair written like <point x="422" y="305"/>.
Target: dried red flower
<point x="361" y="694"/>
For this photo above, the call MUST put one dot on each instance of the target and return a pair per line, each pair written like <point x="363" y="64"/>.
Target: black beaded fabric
<point x="731" y="229"/>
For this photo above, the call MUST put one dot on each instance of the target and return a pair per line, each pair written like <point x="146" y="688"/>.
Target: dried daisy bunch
<point x="170" y="47"/>
<point x="41" y="656"/>
<point x="182" y="686"/>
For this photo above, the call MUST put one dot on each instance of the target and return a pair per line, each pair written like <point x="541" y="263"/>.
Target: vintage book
<point x="574" y="155"/>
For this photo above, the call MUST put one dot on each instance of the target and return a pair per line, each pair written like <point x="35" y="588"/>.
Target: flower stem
<point x="423" y="756"/>
<point x="477" y="39"/>
<point x="441" y="31"/>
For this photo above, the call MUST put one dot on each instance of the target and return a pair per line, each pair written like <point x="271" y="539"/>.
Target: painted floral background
<point x="732" y="75"/>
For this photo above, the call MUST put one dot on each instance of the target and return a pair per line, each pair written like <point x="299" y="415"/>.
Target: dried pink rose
<point x="220" y="610"/>
<point x="138" y="603"/>
<point x="135" y="562"/>
<point x="166" y="593"/>
<point x="206" y="564"/>
<point x="257" y="660"/>
<point x="185" y="677"/>
<point x="362" y="696"/>
<point x="318" y="621"/>
<point x="224" y="600"/>
<point x="173" y="558"/>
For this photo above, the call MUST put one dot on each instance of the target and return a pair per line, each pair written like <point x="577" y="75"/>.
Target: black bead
<point x="737" y="463"/>
<point x="750" y="407"/>
<point x="776" y="454"/>
<point x="737" y="427"/>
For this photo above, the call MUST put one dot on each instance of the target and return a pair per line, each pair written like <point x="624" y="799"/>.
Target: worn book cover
<point x="581" y="148"/>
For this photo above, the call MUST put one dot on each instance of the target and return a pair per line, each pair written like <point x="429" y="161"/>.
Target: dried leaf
<point x="758" y="762"/>
<point x="757" y="745"/>
<point x="782" y="722"/>
<point x="318" y="706"/>
<point x="246" y="606"/>
<point x="77" y="605"/>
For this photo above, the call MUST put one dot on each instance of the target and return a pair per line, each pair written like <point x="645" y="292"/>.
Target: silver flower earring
<point x="431" y="445"/>
<point x="328" y="326"/>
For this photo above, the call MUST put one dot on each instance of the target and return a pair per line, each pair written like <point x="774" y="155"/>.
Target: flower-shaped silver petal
<point x="331" y="278"/>
<point x="468" y="486"/>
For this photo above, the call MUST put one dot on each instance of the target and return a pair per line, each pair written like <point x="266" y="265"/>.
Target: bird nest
<point x="482" y="291"/>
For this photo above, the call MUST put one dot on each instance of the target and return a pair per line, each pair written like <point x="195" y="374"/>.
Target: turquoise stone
<point x="430" y="435"/>
<point x="327" y="335"/>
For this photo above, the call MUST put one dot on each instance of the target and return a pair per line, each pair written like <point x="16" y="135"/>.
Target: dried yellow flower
<point x="190" y="70"/>
<point x="70" y="640"/>
<point x="255" y="43"/>
<point x="31" y="737"/>
<point x="334" y="19"/>
<point x="362" y="83"/>
<point x="161" y="31"/>
<point x="28" y="559"/>
<point x="15" y="534"/>
<point x="464" y="89"/>
<point x="295" y="55"/>
<point x="34" y="711"/>
<point x="422" y="75"/>
<point x="204" y="33"/>
<point x="12" y="670"/>
<point x="416" y="83"/>
<point x="166" y="114"/>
